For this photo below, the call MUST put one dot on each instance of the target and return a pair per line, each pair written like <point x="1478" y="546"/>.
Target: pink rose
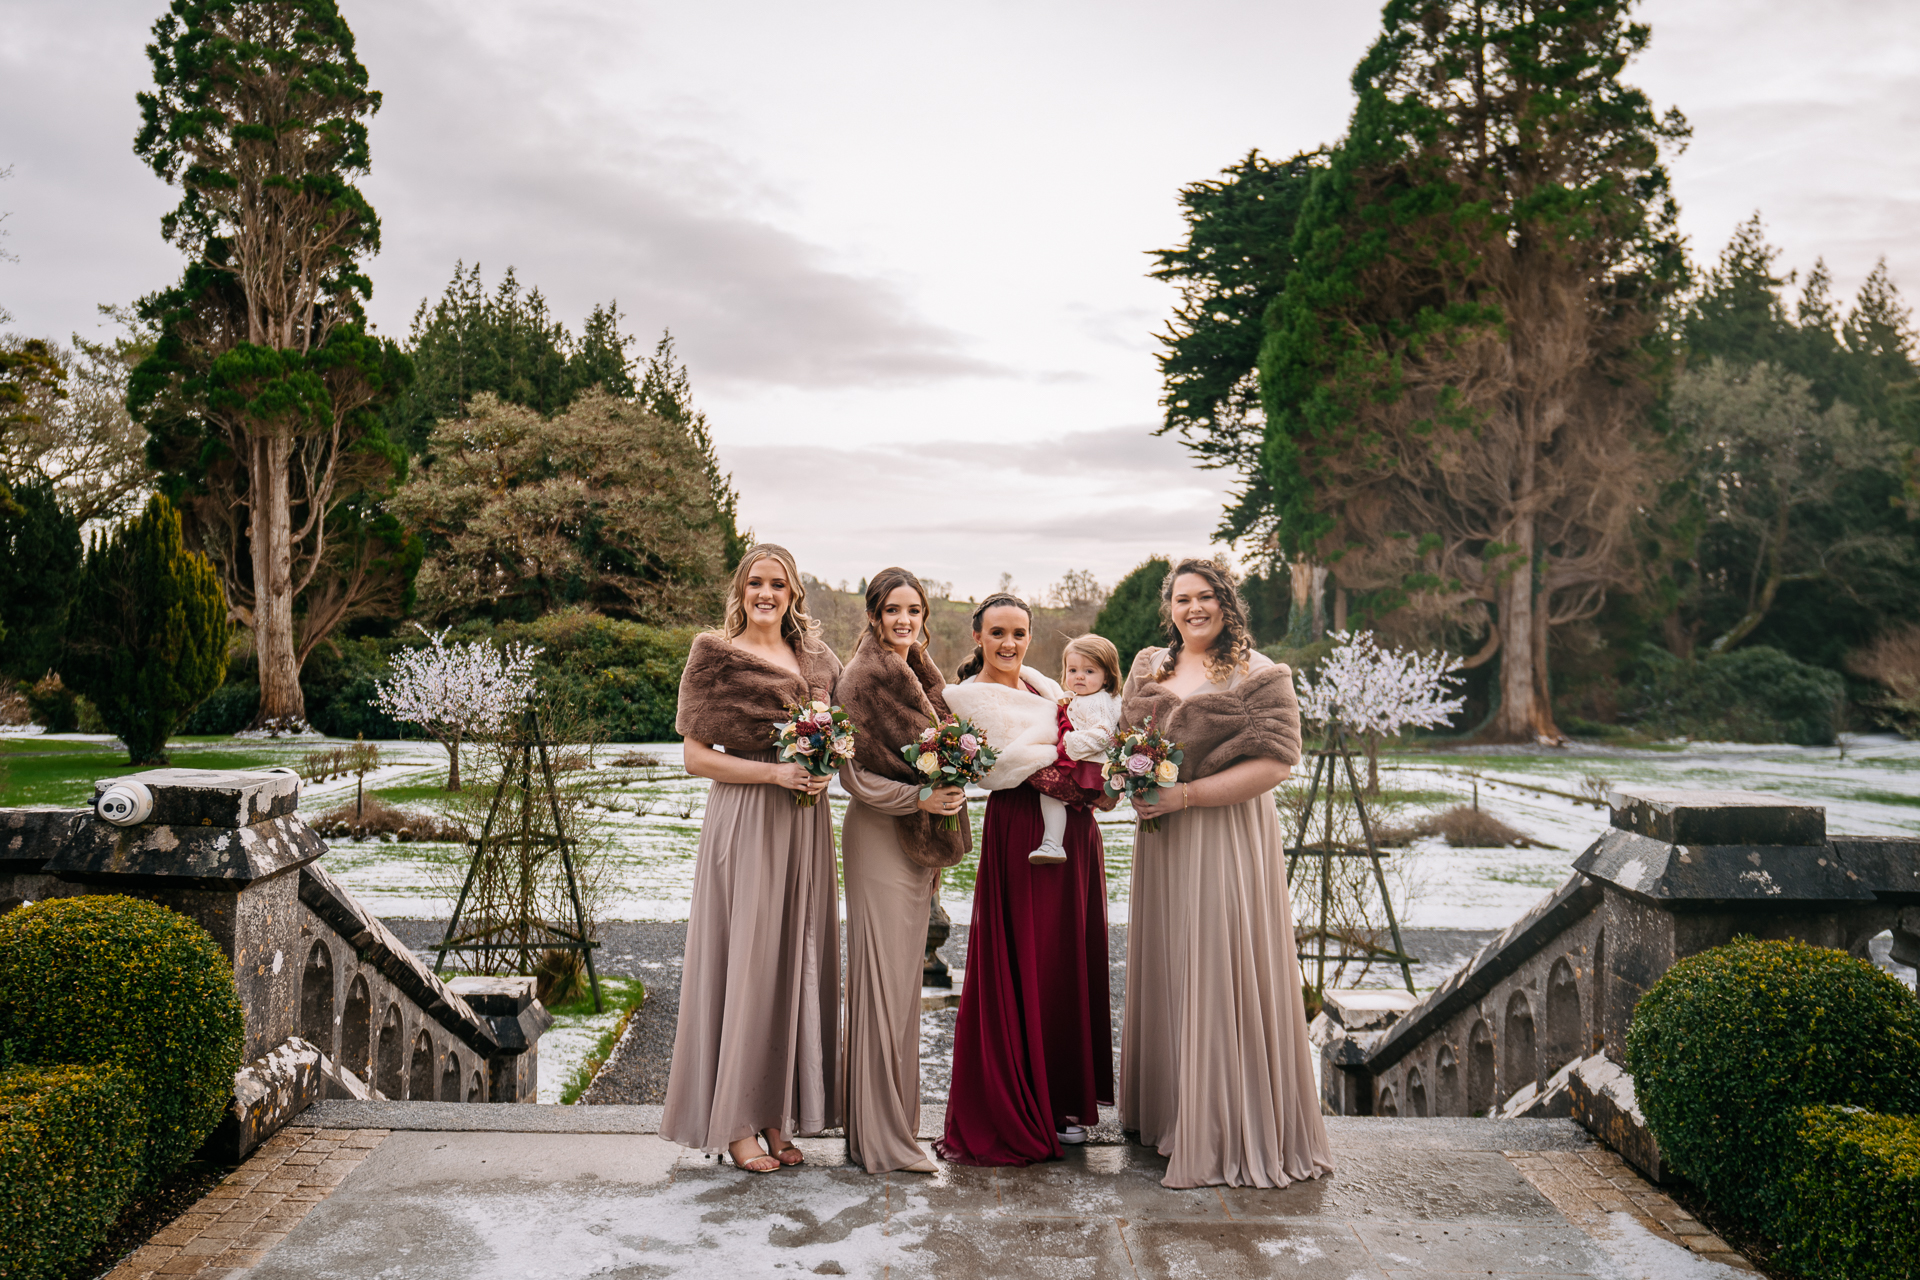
<point x="969" y="744"/>
<point x="1139" y="762"/>
<point x="928" y="734"/>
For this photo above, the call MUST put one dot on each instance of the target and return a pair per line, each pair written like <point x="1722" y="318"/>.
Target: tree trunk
<point x="453" y="762"/>
<point x="1319" y="601"/>
<point x="1300" y="619"/>
<point x="1339" y="608"/>
<point x="271" y="531"/>
<point x="1523" y="716"/>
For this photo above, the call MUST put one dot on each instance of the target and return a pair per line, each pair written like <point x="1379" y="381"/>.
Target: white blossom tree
<point x="457" y="691"/>
<point x="1377" y="692"/>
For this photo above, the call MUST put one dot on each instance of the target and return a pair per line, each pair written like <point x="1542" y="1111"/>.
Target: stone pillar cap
<point x="1717" y="817"/>
<point x="213" y="797"/>
<point x="1365" y="1008"/>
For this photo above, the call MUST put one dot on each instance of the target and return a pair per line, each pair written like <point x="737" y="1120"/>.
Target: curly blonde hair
<point x="796" y="628"/>
<point x="1235" y="641"/>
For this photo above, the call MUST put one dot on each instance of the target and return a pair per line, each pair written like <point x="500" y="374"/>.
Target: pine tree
<point x="147" y="641"/>
<point x="667" y="390"/>
<point x="1131" y="616"/>
<point x="40" y="554"/>
<point x="1457" y="370"/>
<point x="262" y="396"/>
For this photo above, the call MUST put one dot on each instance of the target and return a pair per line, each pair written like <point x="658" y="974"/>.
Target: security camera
<point x="125" y="803"/>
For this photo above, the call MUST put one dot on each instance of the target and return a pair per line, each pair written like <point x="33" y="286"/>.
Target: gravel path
<point x="652" y="951"/>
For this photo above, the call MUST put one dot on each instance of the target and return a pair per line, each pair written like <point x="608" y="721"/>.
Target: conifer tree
<point x="40" y="553"/>
<point x="147" y="641"/>
<point x="262" y="396"/>
<point x="667" y="390"/>
<point x="1457" y="372"/>
<point x="1131" y="616"/>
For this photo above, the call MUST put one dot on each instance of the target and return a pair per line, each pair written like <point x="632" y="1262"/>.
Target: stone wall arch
<point x="1451" y="1097"/>
<point x="318" y="1026"/>
<point x="1389" y="1105"/>
<point x="356" y="1029"/>
<point x="1416" y="1093"/>
<point x="1564" y="1030"/>
<point x="1520" y="1064"/>
<point x="390" y="1069"/>
<point x="420" y="1069"/>
<point x="1480" y="1077"/>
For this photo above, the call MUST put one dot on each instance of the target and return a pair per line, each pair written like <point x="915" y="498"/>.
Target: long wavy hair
<point x="974" y="665"/>
<point x="1230" y="648"/>
<point x="796" y="628"/>
<point x="884" y="584"/>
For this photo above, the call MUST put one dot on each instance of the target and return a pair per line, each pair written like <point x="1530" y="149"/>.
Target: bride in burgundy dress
<point x="1032" y="1054"/>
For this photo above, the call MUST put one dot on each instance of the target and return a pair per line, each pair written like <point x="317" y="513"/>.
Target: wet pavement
<point x="571" y="1195"/>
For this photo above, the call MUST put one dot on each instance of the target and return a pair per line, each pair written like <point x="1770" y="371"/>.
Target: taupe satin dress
<point x="889" y="897"/>
<point x="758" y="1040"/>
<point x="1215" y="1068"/>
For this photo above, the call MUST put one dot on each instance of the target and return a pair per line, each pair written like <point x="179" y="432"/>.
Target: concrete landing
<point x="1410" y="1198"/>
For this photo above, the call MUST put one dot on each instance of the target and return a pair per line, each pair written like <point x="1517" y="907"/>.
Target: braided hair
<point x="974" y="665"/>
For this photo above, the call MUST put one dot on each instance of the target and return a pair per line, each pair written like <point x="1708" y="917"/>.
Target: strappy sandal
<point x="747" y="1165"/>
<point x="799" y="1156"/>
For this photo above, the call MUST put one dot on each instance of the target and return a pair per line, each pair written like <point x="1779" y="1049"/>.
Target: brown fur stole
<point x="731" y="699"/>
<point x="891" y="699"/>
<point x="1258" y="718"/>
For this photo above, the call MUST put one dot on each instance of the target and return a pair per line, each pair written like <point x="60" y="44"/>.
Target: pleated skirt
<point x="1215" y="1069"/>
<point x="758" y="1039"/>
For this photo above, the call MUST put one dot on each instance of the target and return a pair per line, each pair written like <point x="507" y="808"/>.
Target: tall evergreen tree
<point x="667" y="390"/>
<point x="1131" y="616"/>
<point x="148" y="637"/>
<point x="1456" y="372"/>
<point x="1238" y="251"/>
<point x="262" y="396"/>
<point x="40" y="554"/>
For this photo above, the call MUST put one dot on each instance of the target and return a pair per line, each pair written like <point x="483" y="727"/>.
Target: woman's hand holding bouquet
<point x="1139" y="763"/>
<point x="949" y="753"/>
<point x="817" y="737"/>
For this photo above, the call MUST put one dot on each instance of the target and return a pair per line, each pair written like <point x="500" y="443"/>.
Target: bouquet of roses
<point x="1139" y="763"/>
<point x="950" y="753"/>
<point x="817" y="737"/>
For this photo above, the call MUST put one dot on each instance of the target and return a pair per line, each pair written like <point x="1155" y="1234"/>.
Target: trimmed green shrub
<point x="70" y="1145"/>
<point x="120" y="980"/>
<point x="228" y="709"/>
<point x="1755" y="694"/>
<point x="623" y="676"/>
<point x="1853" y="1212"/>
<point x="1131" y="616"/>
<point x="1731" y="1044"/>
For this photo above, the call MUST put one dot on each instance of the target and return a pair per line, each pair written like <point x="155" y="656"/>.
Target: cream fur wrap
<point x="1023" y="727"/>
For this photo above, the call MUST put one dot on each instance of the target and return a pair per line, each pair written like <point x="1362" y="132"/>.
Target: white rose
<point x="929" y="764"/>
<point x="1166" y="773"/>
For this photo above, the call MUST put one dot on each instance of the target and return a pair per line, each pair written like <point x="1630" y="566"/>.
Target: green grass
<point x="63" y="772"/>
<point x="1886" y="797"/>
<point x="623" y="994"/>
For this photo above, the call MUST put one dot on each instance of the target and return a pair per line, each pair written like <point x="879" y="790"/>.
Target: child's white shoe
<point x="1047" y="854"/>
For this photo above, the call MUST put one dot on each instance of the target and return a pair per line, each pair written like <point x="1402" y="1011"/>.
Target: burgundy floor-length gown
<point x="1034" y="1041"/>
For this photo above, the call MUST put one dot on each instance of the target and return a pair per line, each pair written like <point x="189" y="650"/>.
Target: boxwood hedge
<point x="1731" y="1045"/>
<point x="1854" y="1211"/>
<point x="111" y="979"/>
<point x="70" y="1147"/>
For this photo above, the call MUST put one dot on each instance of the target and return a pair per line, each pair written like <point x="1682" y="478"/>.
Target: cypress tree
<point x="1131" y="616"/>
<point x="148" y="637"/>
<point x="40" y="554"/>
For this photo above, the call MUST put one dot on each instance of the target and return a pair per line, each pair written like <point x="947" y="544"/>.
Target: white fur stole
<point x="1022" y="727"/>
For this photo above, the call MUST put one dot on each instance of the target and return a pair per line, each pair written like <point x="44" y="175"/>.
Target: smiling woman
<point x="756" y="1053"/>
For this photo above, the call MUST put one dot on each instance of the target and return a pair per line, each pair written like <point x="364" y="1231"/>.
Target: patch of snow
<point x="1641" y="1255"/>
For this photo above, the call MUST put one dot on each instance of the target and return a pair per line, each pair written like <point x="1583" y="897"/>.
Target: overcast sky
<point x="902" y="246"/>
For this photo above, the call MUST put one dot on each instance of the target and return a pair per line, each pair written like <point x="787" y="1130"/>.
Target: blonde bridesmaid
<point x="756" y="1053"/>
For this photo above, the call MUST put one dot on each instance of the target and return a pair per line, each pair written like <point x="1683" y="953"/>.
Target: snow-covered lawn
<point x="653" y="815"/>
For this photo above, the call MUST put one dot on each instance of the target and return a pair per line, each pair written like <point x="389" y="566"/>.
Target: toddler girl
<point x="1092" y="677"/>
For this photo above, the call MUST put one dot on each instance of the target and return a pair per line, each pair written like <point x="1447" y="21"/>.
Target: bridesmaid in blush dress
<point x="1032" y="1052"/>
<point x="1215" y="1069"/>
<point x="756" y="1052"/>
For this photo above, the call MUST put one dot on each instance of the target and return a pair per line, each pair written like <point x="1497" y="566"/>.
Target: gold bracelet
<point x="1186" y="796"/>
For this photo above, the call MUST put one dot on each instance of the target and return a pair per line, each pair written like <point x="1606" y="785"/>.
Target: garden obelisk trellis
<point x="1325" y="850"/>
<point x="518" y="851"/>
